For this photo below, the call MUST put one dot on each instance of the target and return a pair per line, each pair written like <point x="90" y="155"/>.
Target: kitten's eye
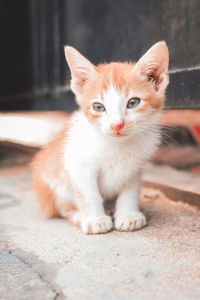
<point x="132" y="103"/>
<point x="98" y="107"/>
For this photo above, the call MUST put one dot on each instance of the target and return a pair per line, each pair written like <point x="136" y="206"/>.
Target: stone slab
<point x="177" y="185"/>
<point x="20" y="281"/>
<point x="51" y="259"/>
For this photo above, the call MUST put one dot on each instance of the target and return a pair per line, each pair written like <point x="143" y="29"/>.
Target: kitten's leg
<point x="46" y="197"/>
<point x="127" y="215"/>
<point x="89" y="201"/>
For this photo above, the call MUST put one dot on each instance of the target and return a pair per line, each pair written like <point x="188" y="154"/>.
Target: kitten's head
<point x="121" y="99"/>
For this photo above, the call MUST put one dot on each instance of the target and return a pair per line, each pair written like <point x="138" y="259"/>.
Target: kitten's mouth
<point x="118" y="134"/>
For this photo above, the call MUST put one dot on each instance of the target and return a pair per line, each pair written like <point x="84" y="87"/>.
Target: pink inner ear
<point x="79" y="82"/>
<point x="151" y="75"/>
<point x="81" y="69"/>
<point x="154" y="76"/>
<point x="153" y="65"/>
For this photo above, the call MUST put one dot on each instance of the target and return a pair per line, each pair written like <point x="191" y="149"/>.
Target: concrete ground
<point x="51" y="259"/>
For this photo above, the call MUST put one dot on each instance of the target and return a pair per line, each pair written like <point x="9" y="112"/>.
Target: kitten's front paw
<point x="131" y="222"/>
<point x="95" y="225"/>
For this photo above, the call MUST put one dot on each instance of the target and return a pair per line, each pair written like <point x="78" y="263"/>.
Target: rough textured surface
<point x="178" y="185"/>
<point x="51" y="259"/>
<point x="19" y="280"/>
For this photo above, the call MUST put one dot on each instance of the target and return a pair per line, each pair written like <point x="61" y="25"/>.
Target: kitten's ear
<point x="153" y="66"/>
<point x="81" y="69"/>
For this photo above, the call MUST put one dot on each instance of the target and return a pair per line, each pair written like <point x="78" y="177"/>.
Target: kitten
<point x="100" y="154"/>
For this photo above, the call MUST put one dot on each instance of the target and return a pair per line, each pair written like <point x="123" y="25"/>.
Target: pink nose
<point x="117" y="127"/>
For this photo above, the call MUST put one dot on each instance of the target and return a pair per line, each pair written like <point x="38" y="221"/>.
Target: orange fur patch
<point x="45" y="197"/>
<point x="124" y="79"/>
<point x="47" y="163"/>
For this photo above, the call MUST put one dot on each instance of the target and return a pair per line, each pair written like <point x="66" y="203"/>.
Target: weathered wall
<point x="102" y="30"/>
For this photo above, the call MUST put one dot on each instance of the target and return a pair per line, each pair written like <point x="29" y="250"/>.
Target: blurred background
<point x="34" y="76"/>
<point x="34" y="73"/>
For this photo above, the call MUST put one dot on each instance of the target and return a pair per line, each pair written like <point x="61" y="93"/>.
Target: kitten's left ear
<point x="81" y="69"/>
<point x="153" y="66"/>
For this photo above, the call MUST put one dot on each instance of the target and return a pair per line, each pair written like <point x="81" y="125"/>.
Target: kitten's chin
<point x="117" y="136"/>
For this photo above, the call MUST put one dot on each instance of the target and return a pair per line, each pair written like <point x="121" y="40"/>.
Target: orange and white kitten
<point x="100" y="154"/>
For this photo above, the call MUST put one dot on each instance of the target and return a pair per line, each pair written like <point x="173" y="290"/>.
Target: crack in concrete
<point x="57" y="294"/>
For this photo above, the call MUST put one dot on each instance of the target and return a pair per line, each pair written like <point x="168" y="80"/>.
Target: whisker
<point x="172" y="128"/>
<point x="159" y="131"/>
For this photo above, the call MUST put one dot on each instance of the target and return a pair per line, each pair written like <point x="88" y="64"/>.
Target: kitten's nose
<point x="117" y="126"/>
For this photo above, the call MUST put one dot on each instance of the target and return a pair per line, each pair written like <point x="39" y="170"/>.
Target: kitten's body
<point x="114" y="162"/>
<point x="90" y="162"/>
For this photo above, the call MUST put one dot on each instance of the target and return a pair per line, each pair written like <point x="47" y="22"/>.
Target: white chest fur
<point x="113" y="162"/>
<point x="117" y="166"/>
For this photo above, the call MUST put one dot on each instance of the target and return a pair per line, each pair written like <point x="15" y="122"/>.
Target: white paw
<point x="95" y="225"/>
<point x="131" y="222"/>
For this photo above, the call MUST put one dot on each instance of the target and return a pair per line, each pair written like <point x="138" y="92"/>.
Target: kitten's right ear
<point x="81" y="69"/>
<point x="153" y="66"/>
